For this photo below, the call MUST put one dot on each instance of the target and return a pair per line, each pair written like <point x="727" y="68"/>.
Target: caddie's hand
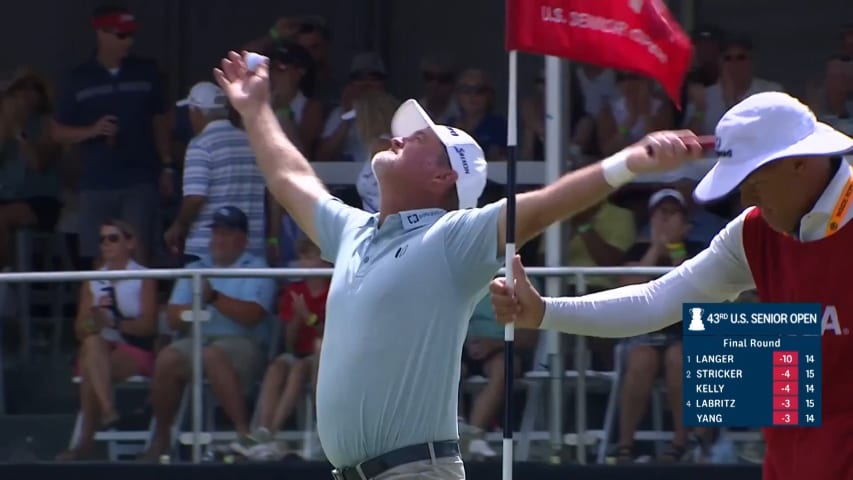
<point x="247" y="91"/>
<point x="670" y="150"/>
<point x="526" y="307"/>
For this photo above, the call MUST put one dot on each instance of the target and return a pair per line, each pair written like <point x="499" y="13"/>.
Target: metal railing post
<point x="580" y="388"/>
<point x="198" y="292"/>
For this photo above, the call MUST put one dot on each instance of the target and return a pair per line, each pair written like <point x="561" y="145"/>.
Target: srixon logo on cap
<point x="461" y="152"/>
<point x="719" y="149"/>
<point x="452" y="132"/>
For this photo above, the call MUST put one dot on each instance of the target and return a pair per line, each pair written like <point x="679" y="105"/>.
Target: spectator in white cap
<point x="219" y="171"/>
<point x="648" y="357"/>
<point x="792" y="244"/>
<point x="407" y="278"/>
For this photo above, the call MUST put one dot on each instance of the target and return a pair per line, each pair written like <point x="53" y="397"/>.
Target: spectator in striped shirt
<point x="219" y="170"/>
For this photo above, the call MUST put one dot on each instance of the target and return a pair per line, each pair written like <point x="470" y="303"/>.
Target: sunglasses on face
<point x="627" y="77"/>
<point x="311" y="28"/>
<point x="443" y="78"/>
<point x="121" y="35"/>
<point x="110" y="238"/>
<point x="739" y="57"/>
<point x="473" y="89"/>
<point x="366" y="77"/>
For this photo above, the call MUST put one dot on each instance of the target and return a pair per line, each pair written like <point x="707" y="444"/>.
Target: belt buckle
<point x="345" y="473"/>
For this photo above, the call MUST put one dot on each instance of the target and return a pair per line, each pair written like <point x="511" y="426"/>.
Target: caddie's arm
<point x="719" y="273"/>
<point x="580" y="189"/>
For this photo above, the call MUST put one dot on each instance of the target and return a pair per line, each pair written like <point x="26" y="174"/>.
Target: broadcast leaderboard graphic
<point x="752" y="364"/>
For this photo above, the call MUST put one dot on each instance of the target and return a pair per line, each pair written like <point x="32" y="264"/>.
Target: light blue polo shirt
<point x="396" y="319"/>
<point x="259" y="290"/>
<point x="483" y="323"/>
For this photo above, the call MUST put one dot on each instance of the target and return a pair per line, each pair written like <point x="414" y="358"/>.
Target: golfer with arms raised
<point x="407" y="279"/>
<point x="793" y="245"/>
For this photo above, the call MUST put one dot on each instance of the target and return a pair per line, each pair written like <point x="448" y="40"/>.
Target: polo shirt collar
<point x="813" y="224"/>
<point x="408" y="219"/>
<point x="244" y="261"/>
<point x="215" y="123"/>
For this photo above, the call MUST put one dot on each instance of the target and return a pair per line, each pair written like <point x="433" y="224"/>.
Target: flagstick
<point x="509" y="329"/>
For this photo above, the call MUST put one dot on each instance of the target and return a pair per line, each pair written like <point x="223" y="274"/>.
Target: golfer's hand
<point x="247" y="91"/>
<point x="526" y="307"/>
<point x="670" y="150"/>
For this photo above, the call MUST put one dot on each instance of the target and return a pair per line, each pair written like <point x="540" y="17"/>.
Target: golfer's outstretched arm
<point x="289" y="176"/>
<point x="719" y="273"/>
<point x="580" y="189"/>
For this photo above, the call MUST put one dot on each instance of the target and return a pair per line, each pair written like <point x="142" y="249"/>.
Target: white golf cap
<point x="205" y="96"/>
<point x="762" y="128"/>
<point x="665" y="193"/>
<point x="466" y="156"/>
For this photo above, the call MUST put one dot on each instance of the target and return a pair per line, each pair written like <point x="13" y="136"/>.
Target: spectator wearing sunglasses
<point x="340" y="139"/>
<point x="311" y="33"/>
<point x="112" y="108"/>
<point x="476" y="97"/>
<point x="116" y="325"/>
<point x="439" y="78"/>
<point x="30" y="173"/>
<point x="292" y="76"/>
<point x="831" y="97"/>
<point x="737" y="81"/>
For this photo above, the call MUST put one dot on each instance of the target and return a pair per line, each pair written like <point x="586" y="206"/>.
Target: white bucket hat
<point x="466" y="156"/>
<point x="760" y="129"/>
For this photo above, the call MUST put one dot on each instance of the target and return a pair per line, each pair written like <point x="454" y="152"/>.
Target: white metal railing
<point x="199" y="437"/>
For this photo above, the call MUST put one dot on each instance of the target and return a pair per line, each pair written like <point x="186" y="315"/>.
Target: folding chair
<point x="657" y="434"/>
<point x="120" y="442"/>
<point x="129" y="442"/>
<point x="535" y="409"/>
<point x="304" y="413"/>
<point x="56" y="295"/>
<point x="210" y="403"/>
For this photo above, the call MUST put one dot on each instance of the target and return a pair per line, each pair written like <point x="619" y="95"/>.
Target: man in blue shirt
<point x="112" y="108"/>
<point x="234" y="337"/>
<point x="407" y="279"/>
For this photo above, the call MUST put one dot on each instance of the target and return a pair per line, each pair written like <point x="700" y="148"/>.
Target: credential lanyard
<point x="842" y="205"/>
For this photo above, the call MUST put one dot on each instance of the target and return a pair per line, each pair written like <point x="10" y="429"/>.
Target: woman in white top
<point x="291" y="77"/>
<point x="637" y="111"/>
<point x="116" y="324"/>
<point x="373" y="113"/>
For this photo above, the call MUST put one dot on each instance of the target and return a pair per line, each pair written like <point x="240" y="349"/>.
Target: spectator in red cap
<point x="112" y="108"/>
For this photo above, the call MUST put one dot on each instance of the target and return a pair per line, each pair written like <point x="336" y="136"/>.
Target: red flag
<point x="633" y="35"/>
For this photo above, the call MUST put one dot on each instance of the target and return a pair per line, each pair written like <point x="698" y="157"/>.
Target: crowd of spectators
<point x="135" y="182"/>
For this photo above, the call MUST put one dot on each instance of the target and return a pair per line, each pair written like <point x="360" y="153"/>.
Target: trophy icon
<point x="696" y="324"/>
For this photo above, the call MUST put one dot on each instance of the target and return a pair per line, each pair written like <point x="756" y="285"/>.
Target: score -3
<point x="788" y="418"/>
